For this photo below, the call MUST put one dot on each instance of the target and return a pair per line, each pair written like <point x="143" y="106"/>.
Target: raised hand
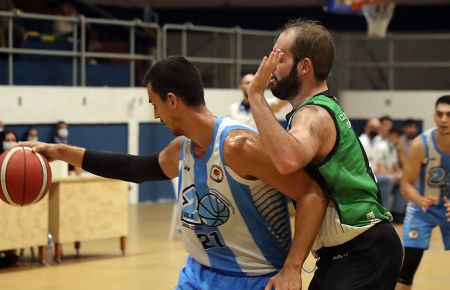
<point x="265" y="70"/>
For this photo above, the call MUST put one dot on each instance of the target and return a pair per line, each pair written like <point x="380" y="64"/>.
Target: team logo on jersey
<point x="216" y="173"/>
<point x="211" y="209"/>
<point x="344" y="118"/>
<point x="413" y="234"/>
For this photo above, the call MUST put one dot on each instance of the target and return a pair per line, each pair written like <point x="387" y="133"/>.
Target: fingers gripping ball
<point x="25" y="176"/>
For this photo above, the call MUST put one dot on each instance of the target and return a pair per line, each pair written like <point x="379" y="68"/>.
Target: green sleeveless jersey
<point x="345" y="174"/>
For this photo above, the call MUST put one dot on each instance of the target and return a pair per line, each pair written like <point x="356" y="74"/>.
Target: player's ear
<point x="172" y="99"/>
<point x="304" y="66"/>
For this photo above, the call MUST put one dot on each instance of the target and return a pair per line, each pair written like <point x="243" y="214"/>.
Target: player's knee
<point x="410" y="264"/>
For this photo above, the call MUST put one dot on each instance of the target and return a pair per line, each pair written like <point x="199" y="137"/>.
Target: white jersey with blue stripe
<point x="434" y="179"/>
<point x="228" y="223"/>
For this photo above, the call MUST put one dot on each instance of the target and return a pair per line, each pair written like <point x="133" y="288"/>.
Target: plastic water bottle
<point x="50" y="249"/>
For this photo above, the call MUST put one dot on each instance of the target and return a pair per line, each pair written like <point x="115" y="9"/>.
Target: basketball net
<point x="378" y="14"/>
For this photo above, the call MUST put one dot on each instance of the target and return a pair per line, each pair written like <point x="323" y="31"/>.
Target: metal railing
<point x="236" y="35"/>
<point x="393" y="56"/>
<point x="224" y="54"/>
<point x="80" y="54"/>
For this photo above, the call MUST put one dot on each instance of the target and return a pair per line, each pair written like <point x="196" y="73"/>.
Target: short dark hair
<point x="313" y="41"/>
<point x="385" y="118"/>
<point x="443" y="100"/>
<point x="396" y="130"/>
<point x="179" y="76"/>
<point x="409" y="122"/>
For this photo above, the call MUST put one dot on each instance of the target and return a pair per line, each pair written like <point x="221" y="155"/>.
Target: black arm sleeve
<point x="123" y="166"/>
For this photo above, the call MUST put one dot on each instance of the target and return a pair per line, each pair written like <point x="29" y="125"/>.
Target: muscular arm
<point x="312" y="133"/>
<point x="411" y="172"/>
<point x="245" y="154"/>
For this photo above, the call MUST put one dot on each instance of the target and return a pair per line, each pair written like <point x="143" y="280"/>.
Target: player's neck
<point x="308" y="91"/>
<point x="200" y="129"/>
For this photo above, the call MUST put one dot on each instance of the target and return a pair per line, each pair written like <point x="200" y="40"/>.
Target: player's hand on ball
<point x="46" y="149"/>
<point x="286" y="279"/>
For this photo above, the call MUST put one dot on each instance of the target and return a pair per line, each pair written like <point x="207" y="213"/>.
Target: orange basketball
<point x="25" y="176"/>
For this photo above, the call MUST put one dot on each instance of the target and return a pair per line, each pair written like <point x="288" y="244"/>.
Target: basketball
<point x="213" y="211"/>
<point x="25" y="176"/>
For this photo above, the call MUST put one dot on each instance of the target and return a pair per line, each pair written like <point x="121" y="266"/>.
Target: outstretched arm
<point x="245" y="154"/>
<point x="115" y="165"/>
<point x="293" y="150"/>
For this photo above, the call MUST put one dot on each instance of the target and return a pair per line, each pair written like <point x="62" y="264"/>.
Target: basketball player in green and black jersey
<point x="357" y="246"/>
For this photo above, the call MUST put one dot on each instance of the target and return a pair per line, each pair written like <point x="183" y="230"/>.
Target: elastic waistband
<point x="347" y="246"/>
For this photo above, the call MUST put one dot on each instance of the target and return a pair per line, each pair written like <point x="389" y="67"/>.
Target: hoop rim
<point x="357" y="5"/>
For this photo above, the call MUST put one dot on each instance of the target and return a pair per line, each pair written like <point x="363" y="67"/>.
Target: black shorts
<point x="371" y="261"/>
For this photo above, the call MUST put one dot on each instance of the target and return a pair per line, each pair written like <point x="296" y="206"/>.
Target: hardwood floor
<point x="153" y="262"/>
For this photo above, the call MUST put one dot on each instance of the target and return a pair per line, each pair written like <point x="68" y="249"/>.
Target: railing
<point x="389" y="55"/>
<point x="225" y="54"/>
<point x="79" y="54"/>
<point x="235" y="59"/>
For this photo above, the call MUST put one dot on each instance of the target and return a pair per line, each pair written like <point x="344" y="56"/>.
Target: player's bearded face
<point x="288" y="87"/>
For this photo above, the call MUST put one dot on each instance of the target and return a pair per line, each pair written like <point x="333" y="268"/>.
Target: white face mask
<point x="8" y="144"/>
<point x="32" y="138"/>
<point x="63" y="133"/>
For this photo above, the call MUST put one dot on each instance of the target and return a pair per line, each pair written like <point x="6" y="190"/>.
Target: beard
<point x="286" y="88"/>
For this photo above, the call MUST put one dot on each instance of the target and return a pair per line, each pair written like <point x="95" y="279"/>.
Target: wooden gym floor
<point x="153" y="262"/>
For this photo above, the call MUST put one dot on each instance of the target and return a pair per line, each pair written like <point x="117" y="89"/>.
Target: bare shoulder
<point x="175" y="144"/>
<point x="417" y="146"/>
<point x="313" y="117"/>
<point x="240" y="143"/>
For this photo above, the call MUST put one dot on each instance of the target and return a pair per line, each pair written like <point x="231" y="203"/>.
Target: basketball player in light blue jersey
<point x="234" y="223"/>
<point x="426" y="185"/>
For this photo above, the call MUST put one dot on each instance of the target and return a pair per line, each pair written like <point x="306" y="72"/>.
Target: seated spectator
<point x="240" y="111"/>
<point x="31" y="134"/>
<point x="61" y="135"/>
<point x="386" y="124"/>
<point x="8" y="140"/>
<point x="65" y="29"/>
<point x="387" y="169"/>
<point x="368" y="137"/>
<point x="18" y="32"/>
<point x="410" y="131"/>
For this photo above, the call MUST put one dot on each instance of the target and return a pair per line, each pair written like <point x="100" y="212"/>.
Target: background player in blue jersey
<point x="426" y="185"/>
<point x="234" y="224"/>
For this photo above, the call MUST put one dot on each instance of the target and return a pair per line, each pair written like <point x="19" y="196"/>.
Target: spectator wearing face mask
<point x="8" y="140"/>
<point x="31" y="134"/>
<point x="368" y="137"/>
<point x="61" y="133"/>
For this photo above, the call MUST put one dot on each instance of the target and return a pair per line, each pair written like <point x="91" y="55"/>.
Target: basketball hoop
<point x="378" y="14"/>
